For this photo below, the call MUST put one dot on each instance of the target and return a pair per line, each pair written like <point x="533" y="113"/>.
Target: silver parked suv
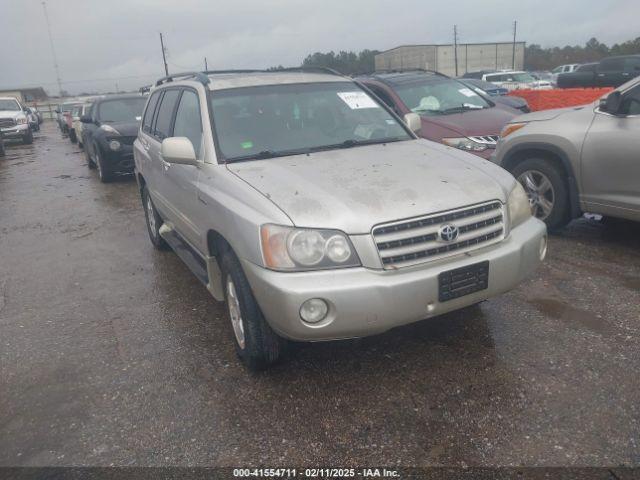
<point x="578" y="159"/>
<point x="316" y="213"/>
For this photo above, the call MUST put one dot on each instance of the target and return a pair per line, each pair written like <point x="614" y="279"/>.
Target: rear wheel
<point x="154" y="221"/>
<point x="257" y="345"/>
<point x="547" y="191"/>
<point x="72" y="136"/>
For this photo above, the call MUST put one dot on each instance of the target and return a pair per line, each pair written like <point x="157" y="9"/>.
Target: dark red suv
<point x="451" y="112"/>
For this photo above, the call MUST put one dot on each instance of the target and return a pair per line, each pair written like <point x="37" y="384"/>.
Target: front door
<point x="610" y="167"/>
<point x="181" y="181"/>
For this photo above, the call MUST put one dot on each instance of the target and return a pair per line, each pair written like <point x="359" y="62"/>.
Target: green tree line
<point x="538" y="58"/>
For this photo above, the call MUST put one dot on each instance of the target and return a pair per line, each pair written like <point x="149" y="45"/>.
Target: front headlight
<point x="465" y="143"/>
<point x="519" y="206"/>
<point x="109" y="129"/>
<point x="21" y="120"/>
<point x="293" y="249"/>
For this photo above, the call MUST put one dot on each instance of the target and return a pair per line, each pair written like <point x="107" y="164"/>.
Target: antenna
<point x="164" y="57"/>
<point x="53" y="50"/>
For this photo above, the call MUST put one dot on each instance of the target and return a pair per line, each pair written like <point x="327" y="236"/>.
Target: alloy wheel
<point x="540" y="192"/>
<point x="151" y="217"/>
<point x="233" y="304"/>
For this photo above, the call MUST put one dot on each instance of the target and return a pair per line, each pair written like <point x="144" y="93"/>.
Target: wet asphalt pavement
<point x="112" y="353"/>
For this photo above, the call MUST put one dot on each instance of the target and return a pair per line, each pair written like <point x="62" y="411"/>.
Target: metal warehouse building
<point x="471" y="57"/>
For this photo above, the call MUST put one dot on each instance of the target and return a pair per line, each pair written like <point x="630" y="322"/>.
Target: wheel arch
<point x="550" y="152"/>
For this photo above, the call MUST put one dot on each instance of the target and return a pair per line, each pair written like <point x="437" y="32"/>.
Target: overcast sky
<point x="99" y="42"/>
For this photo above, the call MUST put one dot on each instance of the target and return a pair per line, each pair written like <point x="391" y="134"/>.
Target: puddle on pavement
<point x="570" y="314"/>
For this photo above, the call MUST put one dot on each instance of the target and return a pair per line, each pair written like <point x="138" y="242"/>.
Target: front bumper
<point x="121" y="160"/>
<point x="366" y="301"/>
<point x="18" y="131"/>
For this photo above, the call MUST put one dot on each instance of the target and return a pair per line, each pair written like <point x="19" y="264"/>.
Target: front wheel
<point x="547" y="191"/>
<point x="72" y="136"/>
<point x="257" y="345"/>
<point x="103" y="173"/>
<point x="27" y="139"/>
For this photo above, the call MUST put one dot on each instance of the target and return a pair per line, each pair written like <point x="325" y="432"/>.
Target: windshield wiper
<point x="461" y="108"/>
<point x="264" y="154"/>
<point x="355" y="143"/>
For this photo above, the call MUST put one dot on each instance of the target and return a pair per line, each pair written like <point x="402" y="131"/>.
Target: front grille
<point x="413" y="241"/>
<point x="488" y="140"/>
<point x="7" y="122"/>
<point x="127" y="140"/>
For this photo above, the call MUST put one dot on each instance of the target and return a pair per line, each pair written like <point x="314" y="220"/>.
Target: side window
<point x="188" y="120"/>
<point x="162" y="128"/>
<point x="631" y="102"/>
<point x="611" y="65"/>
<point x="148" y="113"/>
<point x="632" y="64"/>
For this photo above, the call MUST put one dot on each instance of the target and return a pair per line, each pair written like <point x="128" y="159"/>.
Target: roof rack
<point x="203" y="76"/>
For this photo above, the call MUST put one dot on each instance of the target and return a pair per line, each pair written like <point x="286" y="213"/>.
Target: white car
<point x="77" y="113"/>
<point x="571" y="67"/>
<point x="13" y="120"/>
<point x="516" y="80"/>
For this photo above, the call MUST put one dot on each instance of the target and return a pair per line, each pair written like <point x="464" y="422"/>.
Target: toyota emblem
<point x="448" y="233"/>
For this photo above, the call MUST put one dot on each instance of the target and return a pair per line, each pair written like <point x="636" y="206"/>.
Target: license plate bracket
<point x="463" y="281"/>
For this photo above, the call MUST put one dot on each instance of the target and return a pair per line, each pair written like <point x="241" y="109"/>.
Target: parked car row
<point x="511" y="79"/>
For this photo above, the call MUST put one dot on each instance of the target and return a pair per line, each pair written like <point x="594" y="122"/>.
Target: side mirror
<point x="86" y="119"/>
<point x="178" y="150"/>
<point x="413" y="121"/>
<point x="611" y="103"/>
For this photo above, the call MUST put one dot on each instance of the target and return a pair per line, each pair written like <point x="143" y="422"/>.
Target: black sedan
<point x="108" y="133"/>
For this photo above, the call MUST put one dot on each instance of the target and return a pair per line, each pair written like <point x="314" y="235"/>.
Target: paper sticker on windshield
<point x="138" y="119"/>
<point x="247" y="144"/>
<point x="467" y="92"/>
<point x="356" y="100"/>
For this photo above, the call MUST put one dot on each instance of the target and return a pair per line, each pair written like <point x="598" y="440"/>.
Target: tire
<point x="104" y="174"/>
<point x="1" y="148"/>
<point x="28" y="138"/>
<point x="72" y="136"/>
<point x="90" y="163"/>
<point x="257" y="345"/>
<point x="549" y="205"/>
<point x="154" y="221"/>
<point x="80" y="145"/>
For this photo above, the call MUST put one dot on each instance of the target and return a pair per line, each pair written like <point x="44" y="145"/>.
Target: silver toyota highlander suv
<point x="578" y="159"/>
<point x="316" y="213"/>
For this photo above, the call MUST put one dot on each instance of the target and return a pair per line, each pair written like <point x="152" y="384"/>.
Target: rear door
<point x="161" y="127"/>
<point x="142" y="146"/>
<point x="610" y="72"/>
<point x="610" y="168"/>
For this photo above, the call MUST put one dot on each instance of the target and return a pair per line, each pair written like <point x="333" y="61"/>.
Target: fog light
<point x="543" y="247"/>
<point x="314" y="310"/>
<point x="114" y="145"/>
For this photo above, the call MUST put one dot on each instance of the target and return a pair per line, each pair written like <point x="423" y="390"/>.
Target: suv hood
<point x="544" y="115"/>
<point x="11" y="114"/>
<point x="488" y="121"/>
<point x="356" y="188"/>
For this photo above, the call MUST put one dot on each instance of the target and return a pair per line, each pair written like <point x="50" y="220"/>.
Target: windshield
<point x="66" y="107"/>
<point x="10" y="105"/>
<point x="122" y="110"/>
<point x="277" y="120"/>
<point x="521" y="77"/>
<point x="440" y="96"/>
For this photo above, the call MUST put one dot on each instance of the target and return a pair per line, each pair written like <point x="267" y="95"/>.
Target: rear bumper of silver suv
<point x="366" y="301"/>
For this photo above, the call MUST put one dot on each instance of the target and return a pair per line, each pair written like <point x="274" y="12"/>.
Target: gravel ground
<point x="112" y="353"/>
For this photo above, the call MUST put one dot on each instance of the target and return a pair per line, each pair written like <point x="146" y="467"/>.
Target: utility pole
<point x="164" y="57"/>
<point x="513" y="56"/>
<point x="455" y="46"/>
<point x="206" y="67"/>
<point x="53" y="50"/>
